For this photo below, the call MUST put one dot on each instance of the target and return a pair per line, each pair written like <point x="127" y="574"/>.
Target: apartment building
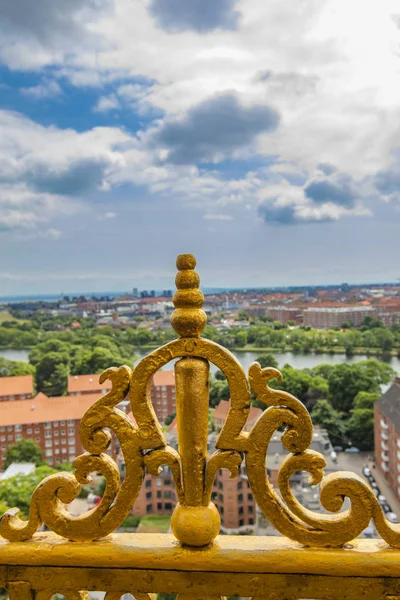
<point x="53" y="423"/>
<point x="283" y="314"/>
<point x="387" y="435"/>
<point x="163" y="394"/>
<point x="331" y="317"/>
<point x="16" y="388"/>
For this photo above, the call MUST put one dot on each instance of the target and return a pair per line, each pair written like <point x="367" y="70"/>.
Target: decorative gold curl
<point x="49" y="498"/>
<point x="288" y="515"/>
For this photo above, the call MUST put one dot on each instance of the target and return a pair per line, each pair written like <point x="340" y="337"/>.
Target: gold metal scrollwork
<point x="195" y="520"/>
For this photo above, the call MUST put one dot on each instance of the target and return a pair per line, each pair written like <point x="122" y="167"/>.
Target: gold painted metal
<point x="195" y="521"/>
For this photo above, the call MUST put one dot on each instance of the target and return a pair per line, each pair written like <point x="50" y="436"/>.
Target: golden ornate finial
<point x="188" y="318"/>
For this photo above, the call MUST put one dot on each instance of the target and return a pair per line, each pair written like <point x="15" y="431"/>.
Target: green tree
<point x="267" y="360"/>
<point x="52" y="374"/>
<point x="324" y="415"/>
<point x="220" y="375"/>
<point x="169" y="418"/>
<point x="17" y="491"/>
<point x="366" y="400"/>
<point x="360" y="428"/>
<point x="24" y="451"/>
<point x="345" y="381"/>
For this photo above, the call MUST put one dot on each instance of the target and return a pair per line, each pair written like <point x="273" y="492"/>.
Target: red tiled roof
<point x="221" y="412"/>
<point x="42" y="409"/>
<point x="164" y="378"/>
<point x="86" y="383"/>
<point x="13" y="386"/>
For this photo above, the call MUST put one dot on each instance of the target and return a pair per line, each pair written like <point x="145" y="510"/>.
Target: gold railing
<point x="321" y="558"/>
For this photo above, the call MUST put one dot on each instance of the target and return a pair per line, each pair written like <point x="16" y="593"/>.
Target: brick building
<point x="19" y="387"/>
<point x="387" y="435"/>
<point x="221" y="412"/>
<point x="331" y="317"/>
<point x="163" y="394"/>
<point x="53" y="423"/>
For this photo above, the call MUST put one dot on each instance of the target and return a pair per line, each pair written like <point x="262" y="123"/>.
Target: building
<point x="387" y="435"/>
<point x="53" y="423"/>
<point x="331" y="317"/>
<point x="19" y="387"/>
<point x="163" y="394"/>
<point x="221" y="412"/>
<point x="284" y="314"/>
<point x="87" y="384"/>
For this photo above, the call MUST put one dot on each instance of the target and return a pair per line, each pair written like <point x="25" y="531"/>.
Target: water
<point x="10" y="354"/>
<point x="298" y="361"/>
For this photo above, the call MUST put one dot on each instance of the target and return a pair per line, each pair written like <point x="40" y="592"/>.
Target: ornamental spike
<point x="188" y="318"/>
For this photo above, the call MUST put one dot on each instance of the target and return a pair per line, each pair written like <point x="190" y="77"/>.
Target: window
<point x="3" y="438"/>
<point x="56" y="442"/>
<point x="71" y="431"/>
<point x="37" y="439"/>
<point x="63" y="450"/>
<point x="240" y="510"/>
<point x="250" y="509"/>
<point x="22" y="397"/>
<point x="62" y="423"/>
<point x="2" y="428"/>
<point x="56" y="433"/>
<point x="48" y="444"/>
<point x="10" y="428"/>
<point x="164" y="388"/>
<point x="12" y="397"/>
<point x="71" y="423"/>
<point x="240" y="485"/>
<point x="10" y="438"/>
<point x="57" y="460"/>
<point x="37" y="430"/>
<point x="240" y="498"/>
<point x="71" y="458"/>
<point x="251" y="521"/>
<point x="168" y="494"/>
<point x="221" y="510"/>
<point x="167" y="482"/>
<point x="159" y="506"/>
<point x="47" y="434"/>
<point x="47" y="425"/>
<point x="18" y="436"/>
<point x="64" y="441"/>
<point x="241" y="522"/>
<point x="57" y="451"/>
<point x="71" y="441"/>
<point x="18" y="428"/>
<point x="158" y="493"/>
<point x="220" y="485"/>
<point x="148" y="483"/>
<point x="49" y="453"/>
<point x="62" y="431"/>
<point x="168" y="506"/>
<point x="71" y="450"/>
<point x="4" y="448"/>
<point x="55" y="423"/>
<point x="149" y="508"/>
<point x="29" y="431"/>
<point x="221" y="497"/>
<point x="249" y="496"/>
<point x="148" y="495"/>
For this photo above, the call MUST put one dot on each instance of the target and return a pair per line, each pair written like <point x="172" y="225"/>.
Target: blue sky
<point x="262" y="136"/>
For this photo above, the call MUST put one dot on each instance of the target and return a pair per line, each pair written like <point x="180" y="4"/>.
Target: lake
<point x="298" y="361"/>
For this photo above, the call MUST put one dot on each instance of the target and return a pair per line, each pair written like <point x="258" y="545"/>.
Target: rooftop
<point x="13" y="386"/>
<point x="42" y="409"/>
<point x="86" y="383"/>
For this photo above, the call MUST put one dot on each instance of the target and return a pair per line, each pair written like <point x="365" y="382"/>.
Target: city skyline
<point x="262" y="137"/>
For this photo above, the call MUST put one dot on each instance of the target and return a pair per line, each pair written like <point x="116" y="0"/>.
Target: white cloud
<point x="107" y="103"/>
<point x="46" y="89"/>
<point x="217" y="217"/>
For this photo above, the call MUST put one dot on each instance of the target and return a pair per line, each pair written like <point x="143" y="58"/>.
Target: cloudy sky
<point x="264" y="136"/>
